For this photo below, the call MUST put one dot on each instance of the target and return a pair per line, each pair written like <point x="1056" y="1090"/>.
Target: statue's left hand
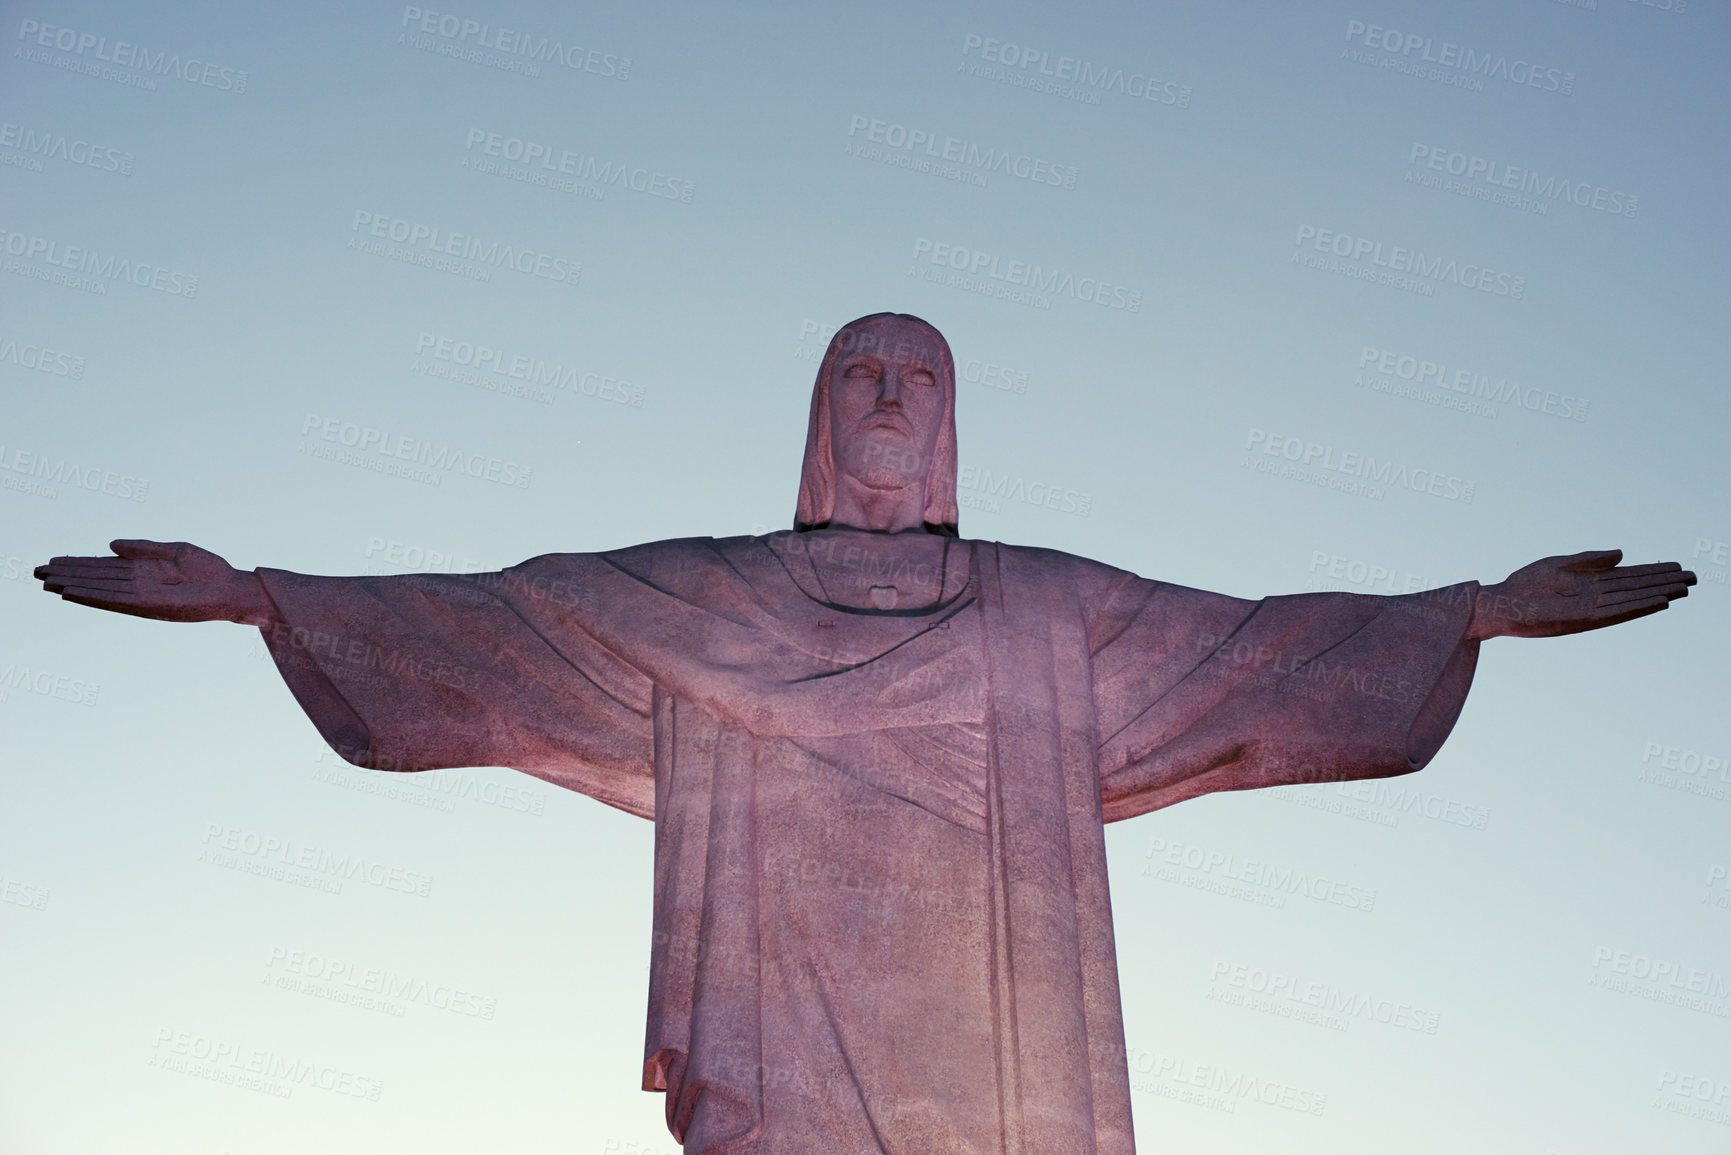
<point x="1583" y="591"/>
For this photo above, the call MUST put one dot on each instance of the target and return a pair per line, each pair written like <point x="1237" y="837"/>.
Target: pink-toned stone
<point x="879" y="757"/>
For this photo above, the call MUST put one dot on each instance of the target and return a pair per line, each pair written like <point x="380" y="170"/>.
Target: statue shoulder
<point x="1096" y="585"/>
<point x="644" y="560"/>
<point x="1081" y="569"/>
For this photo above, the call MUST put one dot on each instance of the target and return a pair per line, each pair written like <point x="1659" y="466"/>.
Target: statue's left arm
<point x="1196" y="692"/>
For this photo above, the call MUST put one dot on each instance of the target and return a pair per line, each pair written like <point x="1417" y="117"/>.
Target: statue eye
<point x="859" y="369"/>
<point x="922" y="378"/>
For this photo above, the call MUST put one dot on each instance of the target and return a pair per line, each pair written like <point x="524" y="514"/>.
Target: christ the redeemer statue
<point x="879" y="757"/>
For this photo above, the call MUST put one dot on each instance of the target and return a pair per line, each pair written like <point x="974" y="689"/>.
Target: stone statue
<point x="878" y="756"/>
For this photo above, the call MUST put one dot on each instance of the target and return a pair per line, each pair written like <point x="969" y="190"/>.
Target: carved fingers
<point x="1589" y="561"/>
<point x="137" y="547"/>
<point x="106" y="583"/>
<point x="62" y="571"/>
<point x="171" y="581"/>
<point x="1583" y="591"/>
<point x="119" y="601"/>
<point x="1627" y="612"/>
<point x="1660" y="583"/>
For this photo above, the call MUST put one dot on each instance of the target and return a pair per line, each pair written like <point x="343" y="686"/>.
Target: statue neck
<point x="877" y="510"/>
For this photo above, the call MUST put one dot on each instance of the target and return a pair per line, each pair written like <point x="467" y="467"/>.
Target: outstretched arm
<point x="173" y="581"/>
<point x="415" y="671"/>
<point x="1583" y="591"/>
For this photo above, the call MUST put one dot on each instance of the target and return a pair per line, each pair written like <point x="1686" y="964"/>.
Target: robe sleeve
<point x="1197" y="692"/>
<point x="425" y="671"/>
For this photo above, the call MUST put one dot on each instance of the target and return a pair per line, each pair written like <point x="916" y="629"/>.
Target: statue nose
<point x="890" y="392"/>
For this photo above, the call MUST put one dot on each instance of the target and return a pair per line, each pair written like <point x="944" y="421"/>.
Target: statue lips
<point x="886" y="419"/>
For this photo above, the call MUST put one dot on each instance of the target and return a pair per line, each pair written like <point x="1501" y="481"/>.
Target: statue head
<point x="882" y="436"/>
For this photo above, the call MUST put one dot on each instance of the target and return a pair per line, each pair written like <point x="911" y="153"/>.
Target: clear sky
<point x="1256" y="298"/>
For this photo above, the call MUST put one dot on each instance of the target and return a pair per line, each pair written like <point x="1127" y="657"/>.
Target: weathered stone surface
<point x="879" y="757"/>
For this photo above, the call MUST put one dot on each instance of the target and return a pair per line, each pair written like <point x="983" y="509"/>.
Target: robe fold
<point x="881" y="912"/>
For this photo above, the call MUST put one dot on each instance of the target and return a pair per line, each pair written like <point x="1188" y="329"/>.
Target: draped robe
<point x="881" y="914"/>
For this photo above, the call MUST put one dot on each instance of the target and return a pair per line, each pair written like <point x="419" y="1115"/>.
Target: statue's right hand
<point x="173" y="581"/>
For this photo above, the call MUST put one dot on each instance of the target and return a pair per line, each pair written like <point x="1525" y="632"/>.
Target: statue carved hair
<point x="817" y="479"/>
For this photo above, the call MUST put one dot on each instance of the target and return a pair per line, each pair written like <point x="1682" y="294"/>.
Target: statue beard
<point x="886" y="465"/>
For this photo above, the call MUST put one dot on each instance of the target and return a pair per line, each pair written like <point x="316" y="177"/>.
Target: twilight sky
<point x="1374" y="296"/>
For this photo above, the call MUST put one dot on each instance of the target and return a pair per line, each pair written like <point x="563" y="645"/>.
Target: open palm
<point x="173" y="581"/>
<point x="1583" y="591"/>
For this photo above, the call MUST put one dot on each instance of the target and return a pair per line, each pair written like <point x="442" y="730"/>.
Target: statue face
<point x="886" y="404"/>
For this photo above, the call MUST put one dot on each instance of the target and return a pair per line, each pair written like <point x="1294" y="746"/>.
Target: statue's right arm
<point x="174" y="581"/>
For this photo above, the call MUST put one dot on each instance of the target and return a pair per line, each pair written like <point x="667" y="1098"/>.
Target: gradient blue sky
<point x="1577" y="821"/>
